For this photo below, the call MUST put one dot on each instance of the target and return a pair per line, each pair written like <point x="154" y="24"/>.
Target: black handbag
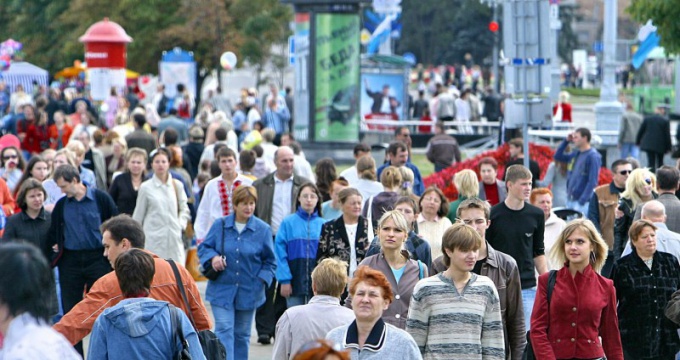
<point x="213" y="349"/>
<point x="206" y="268"/>
<point x="529" y="350"/>
<point x="183" y="353"/>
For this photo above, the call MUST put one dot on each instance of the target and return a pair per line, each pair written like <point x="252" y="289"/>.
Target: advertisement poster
<point x="337" y="66"/>
<point x="382" y="96"/>
<point x="301" y="124"/>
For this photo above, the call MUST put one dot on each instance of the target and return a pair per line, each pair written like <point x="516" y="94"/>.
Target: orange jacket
<point x="106" y="293"/>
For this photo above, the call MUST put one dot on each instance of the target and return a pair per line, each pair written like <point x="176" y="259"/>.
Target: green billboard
<point x="337" y="65"/>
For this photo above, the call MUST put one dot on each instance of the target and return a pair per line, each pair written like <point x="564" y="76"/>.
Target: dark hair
<point x="361" y="147"/>
<point x="135" y="269"/>
<point x="27" y="173"/>
<point x="398" y="129"/>
<point x="176" y="159"/>
<point x="170" y="136"/>
<point x="460" y="237"/>
<point x="585" y="133"/>
<point x="319" y="199"/>
<point x="161" y="151"/>
<point x="225" y="152"/>
<point x="409" y="201"/>
<point x="124" y="227"/>
<point x="26" y="281"/>
<point x="488" y="161"/>
<point x="518" y="143"/>
<point x="297" y="148"/>
<point x="218" y="147"/>
<point x="139" y="119"/>
<point x="221" y="134"/>
<point x="66" y="172"/>
<point x="618" y="163"/>
<point x="326" y="173"/>
<point x="20" y="157"/>
<point x="259" y="151"/>
<point x="395" y="147"/>
<point x="180" y="88"/>
<point x="667" y="178"/>
<point x="443" y="207"/>
<point x="26" y="186"/>
<point x="246" y="159"/>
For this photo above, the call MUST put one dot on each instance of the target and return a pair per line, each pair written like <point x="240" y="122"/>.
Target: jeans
<point x="297" y="300"/>
<point x="232" y="327"/>
<point x="630" y="149"/>
<point x="574" y="204"/>
<point x="528" y="298"/>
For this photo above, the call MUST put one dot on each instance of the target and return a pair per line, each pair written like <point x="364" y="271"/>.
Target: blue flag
<point x="646" y="46"/>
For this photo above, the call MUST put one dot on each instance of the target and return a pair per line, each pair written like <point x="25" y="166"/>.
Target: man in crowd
<point x="172" y="121"/>
<point x="517" y="229"/>
<point x="501" y="269"/>
<point x="120" y="234"/>
<point x="442" y="149"/>
<point x="139" y="137"/>
<point x="584" y="168"/>
<point x="403" y="134"/>
<point x="93" y="159"/>
<point x="350" y="174"/>
<point x="516" y="148"/>
<point x="666" y="240"/>
<point x="444" y="104"/>
<point x="398" y="152"/>
<point x="491" y="188"/>
<point x="603" y="204"/>
<point x="75" y="230"/>
<point x="276" y="199"/>
<point x="654" y="137"/>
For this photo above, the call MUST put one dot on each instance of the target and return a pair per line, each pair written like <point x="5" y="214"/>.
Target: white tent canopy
<point x="24" y="73"/>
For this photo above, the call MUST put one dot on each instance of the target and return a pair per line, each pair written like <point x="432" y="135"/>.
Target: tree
<point x="664" y="15"/>
<point x="567" y="39"/>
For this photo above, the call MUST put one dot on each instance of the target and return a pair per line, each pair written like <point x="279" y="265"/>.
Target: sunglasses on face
<point x="625" y="172"/>
<point x="8" y="157"/>
<point x="648" y="181"/>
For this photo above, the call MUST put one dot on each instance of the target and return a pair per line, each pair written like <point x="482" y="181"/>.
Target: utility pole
<point x="555" y="27"/>
<point x="609" y="110"/>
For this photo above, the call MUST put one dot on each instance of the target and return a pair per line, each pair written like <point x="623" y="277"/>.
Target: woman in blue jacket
<point x="239" y="247"/>
<point x="296" y="243"/>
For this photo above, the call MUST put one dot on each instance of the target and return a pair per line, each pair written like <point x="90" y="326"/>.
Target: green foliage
<point x="664" y="14"/>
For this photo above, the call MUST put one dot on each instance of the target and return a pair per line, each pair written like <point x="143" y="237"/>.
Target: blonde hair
<point x="366" y="168"/>
<point x="76" y="147"/>
<point x="391" y="177"/>
<point x="636" y="180"/>
<point x="467" y="183"/>
<point x="398" y="218"/>
<point x="564" y="97"/>
<point x="407" y="178"/>
<point x="600" y="248"/>
<point x="330" y="277"/>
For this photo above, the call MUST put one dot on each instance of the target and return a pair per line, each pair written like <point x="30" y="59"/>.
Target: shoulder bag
<point x="206" y="268"/>
<point x="213" y="349"/>
<point x="176" y="328"/>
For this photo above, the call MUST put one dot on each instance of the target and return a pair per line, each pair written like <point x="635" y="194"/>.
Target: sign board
<point x="598" y="46"/>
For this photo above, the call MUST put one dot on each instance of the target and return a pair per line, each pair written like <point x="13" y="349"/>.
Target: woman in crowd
<point x="162" y="210"/>
<point x="32" y="131"/>
<point x="54" y="193"/>
<point x="82" y="115"/>
<point x="48" y="155"/>
<point x="645" y="281"/>
<point x="371" y="295"/>
<point x="556" y="175"/>
<point x="60" y="132"/>
<point x="27" y="296"/>
<point x="116" y="161"/>
<point x="325" y="175"/>
<point x="467" y="184"/>
<point x="331" y="209"/>
<point x="407" y="179"/>
<point x="86" y="125"/>
<point x="239" y="247"/>
<point x="432" y="221"/>
<point x="12" y="166"/>
<point x="296" y="244"/>
<point x="125" y="187"/>
<point x="33" y="222"/>
<point x="640" y="188"/>
<point x="37" y="168"/>
<point x="176" y="163"/>
<point x="582" y="305"/>
<point x="321" y="350"/>
<point x="347" y="237"/>
<point x="542" y="198"/>
<point x="367" y="184"/>
<point x="377" y="205"/>
<point x="395" y="263"/>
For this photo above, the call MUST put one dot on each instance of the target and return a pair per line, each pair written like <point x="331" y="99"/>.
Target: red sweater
<point x="582" y="308"/>
<point x="35" y="136"/>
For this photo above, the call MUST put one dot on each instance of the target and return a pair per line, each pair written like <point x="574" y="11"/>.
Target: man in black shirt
<point x="516" y="148"/>
<point x="517" y="229"/>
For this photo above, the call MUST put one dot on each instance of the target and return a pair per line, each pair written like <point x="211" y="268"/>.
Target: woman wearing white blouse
<point x="432" y="221"/>
<point x="162" y="210"/>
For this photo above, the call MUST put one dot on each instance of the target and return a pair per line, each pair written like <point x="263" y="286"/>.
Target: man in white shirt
<point x="217" y="195"/>
<point x="350" y="174"/>
<point x="666" y="240"/>
<point x="275" y="200"/>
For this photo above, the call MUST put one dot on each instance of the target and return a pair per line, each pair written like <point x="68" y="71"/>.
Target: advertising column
<point x="337" y="67"/>
<point x="302" y="58"/>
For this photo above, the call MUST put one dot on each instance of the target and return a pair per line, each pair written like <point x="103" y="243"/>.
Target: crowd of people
<point x="365" y="264"/>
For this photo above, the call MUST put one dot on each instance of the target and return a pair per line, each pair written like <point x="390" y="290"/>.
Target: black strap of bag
<point x="529" y="350"/>
<point x="213" y="349"/>
<point x="183" y="353"/>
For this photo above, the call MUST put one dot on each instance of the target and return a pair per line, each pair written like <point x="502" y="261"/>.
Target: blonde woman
<point x="377" y="205"/>
<point x="577" y="285"/>
<point x="367" y="184"/>
<point x="467" y="184"/>
<point x="640" y="188"/>
<point x="407" y="179"/>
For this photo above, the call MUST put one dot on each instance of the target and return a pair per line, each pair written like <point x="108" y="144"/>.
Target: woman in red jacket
<point x="579" y="321"/>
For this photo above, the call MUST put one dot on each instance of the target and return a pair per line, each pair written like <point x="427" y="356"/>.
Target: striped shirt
<point x="448" y="325"/>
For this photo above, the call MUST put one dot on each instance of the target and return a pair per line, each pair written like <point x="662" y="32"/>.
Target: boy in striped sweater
<point x="457" y="314"/>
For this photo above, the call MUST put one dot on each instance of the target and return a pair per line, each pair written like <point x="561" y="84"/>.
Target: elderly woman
<point x="468" y="186"/>
<point x="645" y="281"/>
<point x="640" y="188"/>
<point x="239" y="248"/>
<point x="162" y="210"/>
<point x="542" y="198"/>
<point x="577" y="285"/>
<point x="369" y="337"/>
<point x="395" y="263"/>
<point x="432" y="221"/>
<point x="125" y="187"/>
<point x="346" y="238"/>
<point x="377" y="205"/>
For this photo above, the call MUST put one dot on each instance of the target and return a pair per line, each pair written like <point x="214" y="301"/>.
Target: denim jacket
<point x="251" y="263"/>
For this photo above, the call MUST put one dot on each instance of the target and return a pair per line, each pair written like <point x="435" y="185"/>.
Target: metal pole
<point x="555" y="26"/>
<point x="676" y="106"/>
<point x="496" y="75"/>
<point x="525" y="69"/>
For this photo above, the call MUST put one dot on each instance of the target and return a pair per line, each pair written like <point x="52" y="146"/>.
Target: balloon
<point x="228" y="60"/>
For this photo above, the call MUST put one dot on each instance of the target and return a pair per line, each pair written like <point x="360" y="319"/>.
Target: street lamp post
<point x="494" y="70"/>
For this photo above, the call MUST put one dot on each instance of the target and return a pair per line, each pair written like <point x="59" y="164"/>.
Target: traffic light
<point x="493" y="26"/>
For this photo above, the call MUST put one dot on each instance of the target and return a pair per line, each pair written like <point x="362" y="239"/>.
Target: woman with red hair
<point x="543" y="199"/>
